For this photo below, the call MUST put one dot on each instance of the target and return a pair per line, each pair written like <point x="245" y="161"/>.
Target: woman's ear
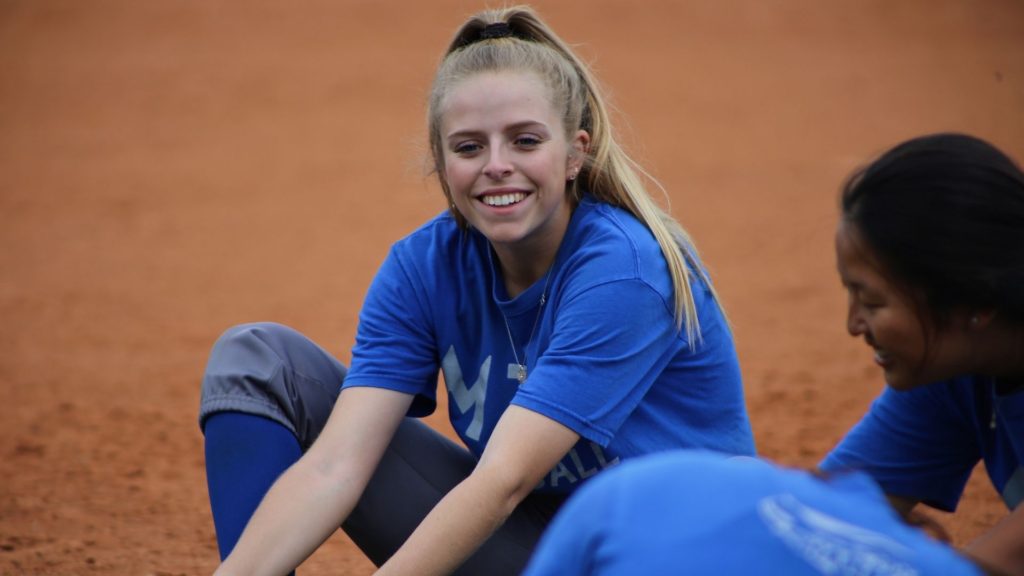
<point x="579" y="146"/>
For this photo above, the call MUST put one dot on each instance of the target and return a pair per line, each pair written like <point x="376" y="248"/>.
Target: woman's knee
<point x="247" y="351"/>
<point x="243" y="341"/>
<point x="273" y="371"/>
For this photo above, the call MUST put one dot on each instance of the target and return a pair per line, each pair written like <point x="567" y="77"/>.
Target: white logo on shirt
<point x="467" y="397"/>
<point x="831" y="545"/>
<point x="579" y="470"/>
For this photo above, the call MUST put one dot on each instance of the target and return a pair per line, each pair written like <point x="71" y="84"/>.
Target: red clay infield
<point x="171" y="168"/>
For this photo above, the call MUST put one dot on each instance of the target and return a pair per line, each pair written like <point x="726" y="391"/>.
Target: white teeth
<point x="503" y="199"/>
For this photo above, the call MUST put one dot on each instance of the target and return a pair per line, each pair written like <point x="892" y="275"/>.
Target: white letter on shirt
<point x="466" y="398"/>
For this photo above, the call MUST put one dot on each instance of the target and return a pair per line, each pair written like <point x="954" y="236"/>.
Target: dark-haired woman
<point x="569" y="315"/>
<point x="931" y="250"/>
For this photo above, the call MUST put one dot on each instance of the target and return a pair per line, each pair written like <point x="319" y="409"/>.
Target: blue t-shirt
<point x="689" y="512"/>
<point x="923" y="443"/>
<point x="603" y="355"/>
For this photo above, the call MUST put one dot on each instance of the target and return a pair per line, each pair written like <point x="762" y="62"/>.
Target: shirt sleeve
<point x="610" y="343"/>
<point x="394" y="342"/>
<point x="917" y="444"/>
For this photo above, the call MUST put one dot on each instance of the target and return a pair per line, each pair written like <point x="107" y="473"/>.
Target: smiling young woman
<point x="571" y="318"/>
<point x="911" y="350"/>
<point x="506" y="161"/>
<point x="931" y="250"/>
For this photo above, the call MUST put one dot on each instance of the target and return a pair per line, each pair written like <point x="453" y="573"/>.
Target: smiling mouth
<point x="503" y="200"/>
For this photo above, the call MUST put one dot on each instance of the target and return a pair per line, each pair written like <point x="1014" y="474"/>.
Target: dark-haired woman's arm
<point x="1002" y="547"/>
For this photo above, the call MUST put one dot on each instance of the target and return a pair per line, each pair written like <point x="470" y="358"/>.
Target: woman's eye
<point x="466" y="148"/>
<point x="527" y="141"/>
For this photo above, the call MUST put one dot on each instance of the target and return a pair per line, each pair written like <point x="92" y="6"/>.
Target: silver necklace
<point x="521" y="366"/>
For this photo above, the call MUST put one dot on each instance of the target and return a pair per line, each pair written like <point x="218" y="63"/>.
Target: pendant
<point x="521" y="373"/>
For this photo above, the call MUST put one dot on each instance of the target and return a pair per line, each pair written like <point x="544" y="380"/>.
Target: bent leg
<point x="266" y="396"/>
<point x="270" y="370"/>
<point x="418" y="468"/>
<point x="244" y="456"/>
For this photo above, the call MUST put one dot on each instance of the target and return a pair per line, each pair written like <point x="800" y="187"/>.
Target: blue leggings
<point x="266" y="395"/>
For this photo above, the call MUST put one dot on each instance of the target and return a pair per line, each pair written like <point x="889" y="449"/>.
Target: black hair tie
<point x="496" y="30"/>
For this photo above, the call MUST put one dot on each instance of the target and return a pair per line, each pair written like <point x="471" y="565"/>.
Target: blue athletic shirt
<point x="689" y="512"/>
<point x="605" y="358"/>
<point x="923" y="443"/>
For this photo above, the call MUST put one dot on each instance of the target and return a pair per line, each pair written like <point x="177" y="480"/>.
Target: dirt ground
<point x="170" y="168"/>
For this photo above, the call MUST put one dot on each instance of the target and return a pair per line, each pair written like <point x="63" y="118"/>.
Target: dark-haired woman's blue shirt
<point x="923" y="443"/>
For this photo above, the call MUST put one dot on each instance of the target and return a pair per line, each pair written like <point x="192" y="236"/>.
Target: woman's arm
<point x="523" y="448"/>
<point x="309" y="501"/>
<point x="1000" y="550"/>
<point x="1002" y="547"/>
<point x="902" y="504"/>
<point x="912" y="514"/>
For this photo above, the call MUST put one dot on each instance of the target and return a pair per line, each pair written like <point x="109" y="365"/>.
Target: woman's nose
<point x="854" y="321"/>
<point x="498" y="165"/>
